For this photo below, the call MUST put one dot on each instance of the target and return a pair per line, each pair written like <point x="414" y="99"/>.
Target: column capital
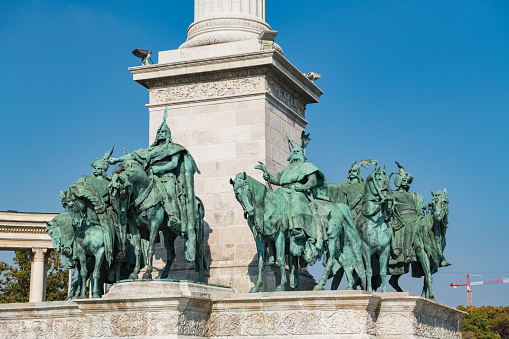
<point x="39" y="254"/>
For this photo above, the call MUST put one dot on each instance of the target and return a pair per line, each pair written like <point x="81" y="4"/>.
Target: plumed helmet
<point x="103" y="163"/>
<point x="402" y="174"/>
<point x="164" y="126"/>
<point x="357" y="166"/>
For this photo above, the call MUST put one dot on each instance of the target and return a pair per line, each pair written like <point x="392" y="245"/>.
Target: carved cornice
<point x="227" y="84"/>
<point x="199" y="63"/>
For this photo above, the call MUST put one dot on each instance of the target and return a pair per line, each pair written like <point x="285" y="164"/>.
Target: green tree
<point x="485" y="322"/>
<point x="15" y="279"/>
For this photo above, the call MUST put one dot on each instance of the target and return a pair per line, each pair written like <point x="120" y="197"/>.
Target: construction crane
<point x="469" y="285"/>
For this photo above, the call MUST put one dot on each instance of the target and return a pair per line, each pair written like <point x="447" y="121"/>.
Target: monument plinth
<point x="189" y="310"/>
<point x="232" y="102"/>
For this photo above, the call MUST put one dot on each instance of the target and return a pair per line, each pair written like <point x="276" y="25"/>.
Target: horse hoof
<point x="280" y="288"/>
<point x="254" y="289"/>
<point x="96" y="295"/>
<point x="147" y="276"/>
<point x="318" y="288"/>
<point x="133" y="276"/>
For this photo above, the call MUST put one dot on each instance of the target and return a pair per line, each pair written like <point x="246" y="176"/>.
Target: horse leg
<point x="425" y="263"/>
<point x="169" y="245"/>
<point x="332" y="233"/>
<point x="424" y="289"/>
<point x="366" y="256"/>
<point x="384" y="262"/>
<point x="394" y="282"/>
<point x="99" y="259"/>
<point x="280" y="251"/>
<point x="154" y="229"/>
<point x="337" y="279"/>
<point x="137" y="250"/>
<point x="349" y="273"/>
<point x="293" y="262"/>
<point x="261" y="249"/>
<point x="83" y="273"/>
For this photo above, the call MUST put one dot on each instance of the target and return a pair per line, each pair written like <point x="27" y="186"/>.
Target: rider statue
<point x="352" y="190"/>
<point x="94" y="188"/>
<point x="408" y="212"/>
<point x="174" y="169"/>
<point x="299" y="182"/>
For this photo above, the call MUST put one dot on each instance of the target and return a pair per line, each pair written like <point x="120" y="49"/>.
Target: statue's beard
<point x="296" y="158"/>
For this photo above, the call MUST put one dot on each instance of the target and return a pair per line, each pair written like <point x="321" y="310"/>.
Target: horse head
<point x="74" y="206"/>
<point x="243" y="193"/>
<point x="377" y="184"/>
<point x="439" y="205"/>
<point x="54" y="232"/>
<point x="61" y="233"/>
<point x="120" y="190"/>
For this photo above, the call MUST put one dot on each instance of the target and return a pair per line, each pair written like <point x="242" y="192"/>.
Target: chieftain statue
<point x="351" y="191"/>
<point x="349" y="226"/>
<point x="361" y="228"/>
<point x="299" y="182"/>
<point x="300" y="214"/>
<point x="111" y="225"/>
<point x="174" y="166"/>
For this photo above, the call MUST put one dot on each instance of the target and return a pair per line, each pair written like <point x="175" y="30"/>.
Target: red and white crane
<point x="469" y="285"/>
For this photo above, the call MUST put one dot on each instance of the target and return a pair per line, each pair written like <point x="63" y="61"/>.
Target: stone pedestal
<point x="163" y="309"/>
<point x="231" y="105"/>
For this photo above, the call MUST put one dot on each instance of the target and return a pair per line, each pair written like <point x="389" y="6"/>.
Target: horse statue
<point x="89" y="240"/>
<point x="372" y="225"/>
<point x="268" y="218"/>
<point x="61" y="233"/>
<point x="137" y="198"/>
<point x="429" y="244"/>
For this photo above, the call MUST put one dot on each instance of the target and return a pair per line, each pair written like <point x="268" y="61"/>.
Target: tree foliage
<point x="15" y="279"/>
<point x="485" y="322"/>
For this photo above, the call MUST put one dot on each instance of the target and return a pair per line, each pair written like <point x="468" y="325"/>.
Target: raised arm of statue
<point x="121" y="159"/>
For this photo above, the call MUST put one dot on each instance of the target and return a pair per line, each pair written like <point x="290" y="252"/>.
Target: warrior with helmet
<point x="173" y="168"/>
<point x="408" y="211"/>
<point x="351" y="191"/>
<point x="94" y="188"/>
<point x="299" y="182"/>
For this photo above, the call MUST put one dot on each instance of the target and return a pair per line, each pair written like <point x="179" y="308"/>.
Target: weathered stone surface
<point x="202" y="311"/>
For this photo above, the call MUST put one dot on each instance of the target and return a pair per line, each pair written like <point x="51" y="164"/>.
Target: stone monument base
<point x="166" y="309"/>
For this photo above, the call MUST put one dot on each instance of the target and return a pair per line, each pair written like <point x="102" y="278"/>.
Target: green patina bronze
<point x="299" y="221"/>
<point x="110" y="227"/>
<point x="419" y="239"/>
<point x="348" y="226"/>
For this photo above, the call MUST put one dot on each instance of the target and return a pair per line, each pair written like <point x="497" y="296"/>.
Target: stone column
<point x="39" y="267"/>
<point x="223" y="21"/>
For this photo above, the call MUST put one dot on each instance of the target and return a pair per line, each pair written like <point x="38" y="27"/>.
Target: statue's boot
<point x="444" y="263"/>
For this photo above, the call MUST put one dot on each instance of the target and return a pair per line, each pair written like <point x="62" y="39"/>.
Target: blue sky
<point x="425" y="83"/>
